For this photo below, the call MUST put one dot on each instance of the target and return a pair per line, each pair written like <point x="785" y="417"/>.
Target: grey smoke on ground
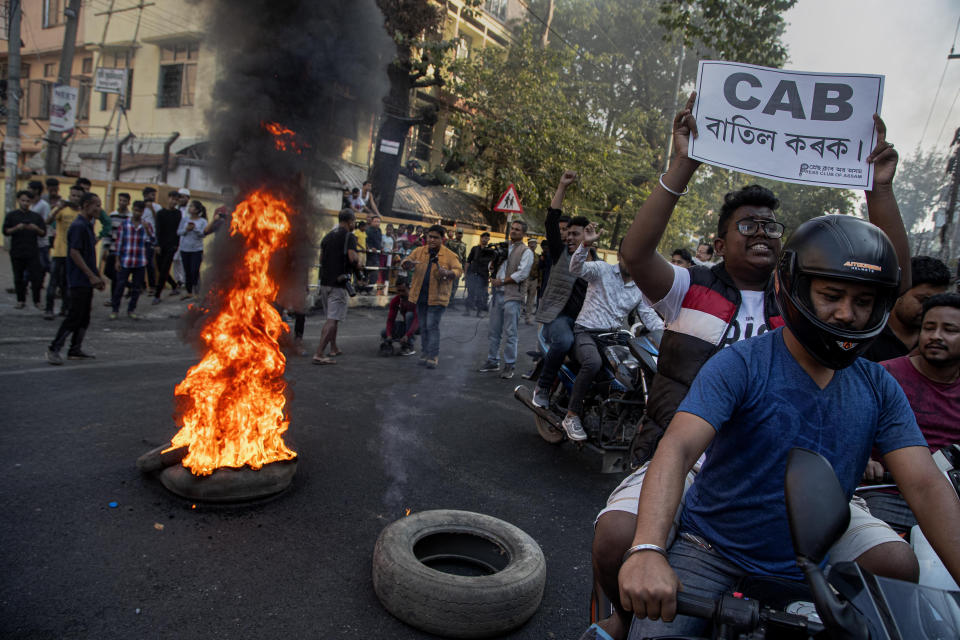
<point x="297" y="64"/>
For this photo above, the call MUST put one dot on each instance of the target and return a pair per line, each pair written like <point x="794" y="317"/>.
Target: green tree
<point x="520" y="124"/>
<point x="600" y="99"/>
<point x="420" y="57"/>
<point x="737" y="30"/>
<point x="921" y="179"/>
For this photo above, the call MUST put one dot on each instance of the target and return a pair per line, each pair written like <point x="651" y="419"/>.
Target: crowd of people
<point x="142" y="245"/>
<point x="774" y="347"/>
<point x="766" y="346"/>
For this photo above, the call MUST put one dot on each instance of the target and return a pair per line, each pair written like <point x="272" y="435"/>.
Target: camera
<point x="344" y="279"/>
<point x="500" y="251"/>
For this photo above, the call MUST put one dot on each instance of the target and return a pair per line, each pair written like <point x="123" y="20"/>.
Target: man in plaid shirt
<point x="130" y="253"/>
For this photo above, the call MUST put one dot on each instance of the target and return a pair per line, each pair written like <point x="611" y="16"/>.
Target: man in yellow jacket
<point x="434" y="270"/>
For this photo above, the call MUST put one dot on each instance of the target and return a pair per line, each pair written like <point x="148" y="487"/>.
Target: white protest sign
<point x="794" y="126"/>
<point x="63" y="108"/>
<point x="110" y="80"/>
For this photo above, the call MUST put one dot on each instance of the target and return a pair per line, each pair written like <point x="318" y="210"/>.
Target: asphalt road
<point x="374" y="437"/>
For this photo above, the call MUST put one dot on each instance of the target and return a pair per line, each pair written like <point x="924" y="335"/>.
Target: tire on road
<point x="416" y="563"/>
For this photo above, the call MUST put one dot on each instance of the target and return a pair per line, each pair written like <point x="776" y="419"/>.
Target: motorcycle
<point x="613" y="407"/>
<point x="932" y="571"/>
<point x="850" y="603"/>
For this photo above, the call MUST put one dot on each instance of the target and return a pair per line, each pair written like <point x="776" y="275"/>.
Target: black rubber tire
<point x="457" y="606"/>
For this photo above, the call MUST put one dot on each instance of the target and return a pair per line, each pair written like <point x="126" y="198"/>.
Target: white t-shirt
<point x="191" y="240"/>
<point x="750" y="320"/>
<point x="149" y="212"/>
<point x="43" y="208"/>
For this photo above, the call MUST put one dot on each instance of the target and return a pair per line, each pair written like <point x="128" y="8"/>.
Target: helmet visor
<point x="854" y="324"/>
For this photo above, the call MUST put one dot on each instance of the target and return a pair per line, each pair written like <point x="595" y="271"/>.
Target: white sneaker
<point x="573" y="428"/>
<point x="541" y="398"/>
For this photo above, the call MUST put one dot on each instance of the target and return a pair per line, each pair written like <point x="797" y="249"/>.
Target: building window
<point x="83" y="98"/>
<point x="52" y="13"/>
<point x="496" y="8"/>
<point x="178" y="75"/>
<point x="49" y="69"/>
<point x="87" y="66"/>
<point x="38" y="99"/>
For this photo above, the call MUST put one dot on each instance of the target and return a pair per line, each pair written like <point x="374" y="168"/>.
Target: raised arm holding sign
<point x="743" y="263"/>
<point x="707" y="308"/>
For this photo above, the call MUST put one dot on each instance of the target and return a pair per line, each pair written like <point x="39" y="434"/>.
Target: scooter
<point x="932" y="571"/>
<point x="615" y="403"/>
<point x="850" y="603"/>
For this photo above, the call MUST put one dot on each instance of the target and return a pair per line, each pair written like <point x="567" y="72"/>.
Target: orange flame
<point x="284" y="139"/>
<point x="232" y="402"/>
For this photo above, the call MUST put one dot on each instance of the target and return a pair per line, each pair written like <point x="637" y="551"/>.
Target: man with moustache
<point x="434" y="269"/>
<point x="929" y="277"/>
<point x="931" y="381"/>
<point x="507" y="302"/>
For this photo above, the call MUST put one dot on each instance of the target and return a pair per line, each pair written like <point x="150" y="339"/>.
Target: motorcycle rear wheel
<point x="549" y="432"/>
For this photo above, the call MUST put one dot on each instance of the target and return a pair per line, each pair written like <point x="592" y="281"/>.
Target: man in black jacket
<point x="478" y="275"/>
<point x="168" y="221"/>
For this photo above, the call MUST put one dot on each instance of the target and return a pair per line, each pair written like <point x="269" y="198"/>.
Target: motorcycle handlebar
<point x="742" y="614"/>
<point x="696" y="606"/>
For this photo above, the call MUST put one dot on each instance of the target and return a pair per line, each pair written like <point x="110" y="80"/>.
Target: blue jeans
<point x="400" y="325"/>
<point x="703" y="572"/>
<point x="504" y="318"/>
<point x="119" y="283"/>
<point x="429" y="317"/>
<point x="559" y="336"/>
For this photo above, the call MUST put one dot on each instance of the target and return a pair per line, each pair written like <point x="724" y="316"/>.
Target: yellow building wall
<point x="165" y="22"/>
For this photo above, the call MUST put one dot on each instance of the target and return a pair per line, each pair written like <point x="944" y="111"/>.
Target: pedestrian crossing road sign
<point x="509" y="202"/>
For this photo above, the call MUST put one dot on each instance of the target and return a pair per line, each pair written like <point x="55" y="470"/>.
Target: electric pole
<point x="953" y="168"/>
<point x="11" y="145"/>
<point x="54" y="138"/>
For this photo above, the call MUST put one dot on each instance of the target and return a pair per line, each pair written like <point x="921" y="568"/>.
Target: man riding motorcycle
<point x="611" y="295"/>
<point x="709" y="308"/>
<point x="801" y="385"/>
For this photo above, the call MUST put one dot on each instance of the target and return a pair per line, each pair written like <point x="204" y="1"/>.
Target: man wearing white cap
<point x="178" y="273"/>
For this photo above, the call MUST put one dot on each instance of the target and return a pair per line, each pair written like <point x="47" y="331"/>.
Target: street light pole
<point x="12" y="143"/>
<point x="55" y="138"/>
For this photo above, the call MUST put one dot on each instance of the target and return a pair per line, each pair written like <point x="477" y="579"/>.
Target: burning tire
<point x="458" y="574"/>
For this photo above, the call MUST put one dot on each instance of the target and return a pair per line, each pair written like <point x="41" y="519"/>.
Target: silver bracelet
<point x="643" y="547"/>
<point x="686" y="189"/>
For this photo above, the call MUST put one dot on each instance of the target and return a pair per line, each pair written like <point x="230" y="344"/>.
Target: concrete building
<point x="161" y="131"/>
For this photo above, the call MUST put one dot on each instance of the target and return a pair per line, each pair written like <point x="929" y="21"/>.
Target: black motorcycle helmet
<point x="842" y="248"/>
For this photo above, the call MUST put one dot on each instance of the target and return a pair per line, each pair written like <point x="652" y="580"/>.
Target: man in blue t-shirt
<point x="799" y="386"/>
<point x="82" y="279"/>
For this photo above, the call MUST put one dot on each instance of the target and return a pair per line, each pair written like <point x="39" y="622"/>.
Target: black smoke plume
<point x="288" y="62"/>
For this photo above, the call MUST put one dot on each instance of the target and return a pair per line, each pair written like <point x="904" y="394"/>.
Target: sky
<point x="905" y="41"/>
